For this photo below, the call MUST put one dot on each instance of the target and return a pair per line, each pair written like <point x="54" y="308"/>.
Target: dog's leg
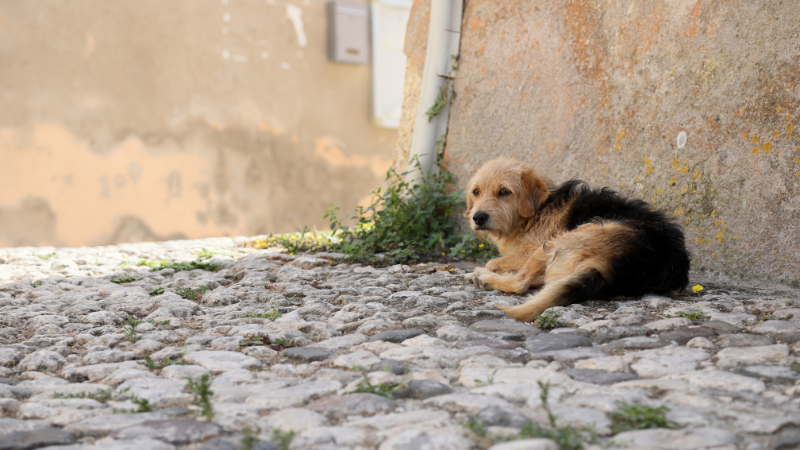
<point x="577" y="287"/>
<point x="530" y="275"/>
<point x="512" y="262"/>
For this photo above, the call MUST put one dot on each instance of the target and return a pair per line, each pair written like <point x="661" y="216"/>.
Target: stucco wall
<point x="125" y="121"/>
<point x="601" y="91"/>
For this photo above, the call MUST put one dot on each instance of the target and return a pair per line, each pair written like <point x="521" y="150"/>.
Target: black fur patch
<point x="657" y="260"/>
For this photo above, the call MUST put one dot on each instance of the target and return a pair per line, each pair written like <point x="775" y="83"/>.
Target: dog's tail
<point x="577" y="287"/>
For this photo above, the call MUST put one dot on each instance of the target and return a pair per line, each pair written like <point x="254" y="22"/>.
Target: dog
<point x="572" y="242"/>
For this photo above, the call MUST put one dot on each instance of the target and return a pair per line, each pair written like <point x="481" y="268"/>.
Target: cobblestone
<point x="349" y="356"/>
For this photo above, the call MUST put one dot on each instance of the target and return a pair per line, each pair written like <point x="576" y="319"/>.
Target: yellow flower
<point x="463" y="251"/>
<point x="442" y="253"/>
<point x="697" y="288"/>
<point x="480" y="246"/>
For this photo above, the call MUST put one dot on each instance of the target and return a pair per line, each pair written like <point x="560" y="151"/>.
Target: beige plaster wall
<point x="126" y="121"/>
<point x="601" y="91"/>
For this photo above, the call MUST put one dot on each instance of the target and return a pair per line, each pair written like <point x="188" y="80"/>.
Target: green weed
<point x="250" y="340"/>
<point x="191" y="294"/>
<point x="37" y="284"/>
<point x="637" y="417"/>
<point x="249" y="440"/>
<point x="695" y="316"/>
<point x="270" y="314"/>
<point x="100" y="395"/>
<point x="46" y="256"/>
<point x="385" y="389"/>
<point x="129" y="330"/>
<point x="445" y="91"/>
<point x="164" y="363"/>
<point x="489" y="381"/>
<point x="407" y="222"/>
<point x="156" y="291"/>
<point x="200" y="388"/>
<point x="178" y="267"/>
<point x="548" y="320"/>
<point x="281" y="343"/>
<point x="122" y="280"/>
<point x="283" y="438"/>
<point x="205" y="254"/>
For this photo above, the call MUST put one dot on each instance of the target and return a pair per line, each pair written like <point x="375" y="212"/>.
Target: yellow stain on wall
<point x="754" y="139"/>
<point x="619" y="138"/>
<point x="767" y="147"/>
<point x="330" y="150"/>
<point x="789" y="130"/>
<point x="775" y="134"/>
<point x="672" y="181"/>
<point x="659" y="191"/>
<point x="719" y="237"/>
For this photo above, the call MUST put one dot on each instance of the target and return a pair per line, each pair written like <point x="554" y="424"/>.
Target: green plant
<point x="385" y="389"/>
<point x="694" y="316"/>
<point x="294" y="244"/>
<point x="445" y="91"/>
<point x="548" y="320"/>
<point x="142" y="403"/>
<point x="282" y="343"/>
<point x="405" y="221"/>
<point x="270" y="314"/>
<point x="251" y="340"/>
<point x="637" y="417"/>
<point x="164" y="363"/>
<point x="473" y="248"/>
<point x="249" y="440"/>
<point x="156" y="291"/>
<point x="46" y="256"/>
<point x="795" y="367"/>
<point x="122" y="280"/>
<point x="178" y="267"/>
<point x="37" y="284"/>
<point x="200" y="388"/>
<point x="489" y="379"/>
<point x="165" y="322"/>
<point x="283" y="438"/>
<point x="100" y="395"/>
<point x="130" y="329"/>
<point x="191" y="294"/>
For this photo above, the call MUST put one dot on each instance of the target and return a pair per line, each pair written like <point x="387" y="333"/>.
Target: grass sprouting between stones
<point x="638" y="417"/>
<point x="100" y="395"/>
<point x="548" y="320"/>
<point x="283" y="438"/>
<point x="156" y="291"/>
<point x="123" y="280"/>
<point x="695" y="316"/>
<point x="200" y="388"/>
<point x="178" y="267"/>
<point x="270" y="314"/>
<point x="385" y="389"/>
<point x="129" y="330"/>
<point x="191" y="294"/>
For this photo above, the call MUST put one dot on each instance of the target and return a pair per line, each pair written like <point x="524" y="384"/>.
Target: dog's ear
<point x="534" y="192"/>
<point x="469" y="204"/>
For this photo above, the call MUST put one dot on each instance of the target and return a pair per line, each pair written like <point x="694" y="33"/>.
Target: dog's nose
<point x="480" y="218"/>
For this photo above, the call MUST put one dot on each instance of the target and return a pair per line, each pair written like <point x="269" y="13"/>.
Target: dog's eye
<point x="504" y="192"/>
<point x="476" y="192"/>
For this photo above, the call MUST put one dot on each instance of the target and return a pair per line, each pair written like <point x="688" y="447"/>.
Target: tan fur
<point x="538" y="251"/>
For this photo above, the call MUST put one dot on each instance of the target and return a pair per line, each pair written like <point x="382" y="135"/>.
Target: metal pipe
<point x="444" y="38"/>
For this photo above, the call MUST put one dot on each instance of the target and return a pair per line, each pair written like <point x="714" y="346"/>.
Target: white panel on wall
<point x="389" y="20"/>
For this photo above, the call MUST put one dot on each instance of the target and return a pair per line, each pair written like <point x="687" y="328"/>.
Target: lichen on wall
<point x="687" y="105"/>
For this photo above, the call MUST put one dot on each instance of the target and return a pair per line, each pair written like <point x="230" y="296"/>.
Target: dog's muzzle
<point x="480" y="218"/>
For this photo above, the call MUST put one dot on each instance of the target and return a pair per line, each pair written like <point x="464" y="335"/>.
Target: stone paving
<point x="74" y="371"/>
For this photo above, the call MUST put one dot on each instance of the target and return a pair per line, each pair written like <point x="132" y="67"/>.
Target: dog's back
<point x="656" y="261"/>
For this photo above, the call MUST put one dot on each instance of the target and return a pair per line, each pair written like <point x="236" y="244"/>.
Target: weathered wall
<point x="126" y="121"/>
<point x="601" y="90"/>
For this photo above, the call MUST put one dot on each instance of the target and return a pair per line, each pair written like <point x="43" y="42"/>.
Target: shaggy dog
<point x="572" y="242"/>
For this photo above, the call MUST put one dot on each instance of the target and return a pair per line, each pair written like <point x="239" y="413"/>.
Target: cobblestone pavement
<point x="73" y="371"/>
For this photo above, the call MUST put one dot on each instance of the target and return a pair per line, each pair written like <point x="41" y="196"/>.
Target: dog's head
<point x="502" y="194"/>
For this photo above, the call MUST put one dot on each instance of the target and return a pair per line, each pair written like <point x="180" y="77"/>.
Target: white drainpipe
<point x="444" y="38"/>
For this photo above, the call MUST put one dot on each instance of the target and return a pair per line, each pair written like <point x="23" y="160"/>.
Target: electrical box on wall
<point x="348" y="32"/>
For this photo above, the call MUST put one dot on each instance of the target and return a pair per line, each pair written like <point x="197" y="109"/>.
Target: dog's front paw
<point x="480" y="278"/>
<point x="494" y="266"/>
